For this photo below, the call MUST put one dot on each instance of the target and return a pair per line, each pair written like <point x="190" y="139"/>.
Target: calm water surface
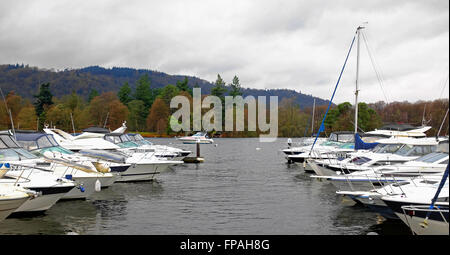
<point x="244" y="187"/>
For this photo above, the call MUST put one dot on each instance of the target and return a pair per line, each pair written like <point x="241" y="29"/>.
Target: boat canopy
<point x="34" y="141"/>
<point x="7" y="142"/>
<point x="137" y="138"/>
<point x="123" y="140"/>
<point x="342" y="136"/>
<point x="361" y="145"/>
<point x="104" y="155"/>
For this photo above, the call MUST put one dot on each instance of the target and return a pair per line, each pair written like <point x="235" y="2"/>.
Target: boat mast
<point x="357" y="78"/>
<point x="312" y="119"/>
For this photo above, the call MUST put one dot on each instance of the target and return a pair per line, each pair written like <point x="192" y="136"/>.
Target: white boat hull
<point x="141" y="172"/>
<point x="43" y="202"/>
<point x="8" y="206"/>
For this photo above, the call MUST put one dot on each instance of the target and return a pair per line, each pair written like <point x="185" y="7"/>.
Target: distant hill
<point x="25" y="81"/>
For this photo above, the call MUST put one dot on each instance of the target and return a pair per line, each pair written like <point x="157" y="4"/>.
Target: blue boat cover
<point x="361" y="145"/>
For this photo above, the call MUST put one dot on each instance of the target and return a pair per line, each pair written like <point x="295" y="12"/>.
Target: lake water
<point x="238" y="190"/>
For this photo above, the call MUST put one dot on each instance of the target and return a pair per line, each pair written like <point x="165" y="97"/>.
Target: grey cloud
<point x="268" y="44"/>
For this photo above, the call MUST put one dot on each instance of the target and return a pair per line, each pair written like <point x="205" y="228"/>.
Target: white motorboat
<point x="199" y="137"/>
<point x="334" y="140"/>
<point x="414" y="209"/>
<point x="406" y="149"/>
<point x="83" y="168"/>
<point x="145" y="165"/>
<point x="50" y="188"/>
<point x="84" y="141"/>
<point x="161" y="151"/>
<point x="372" y="198"/>
<point x="11" y="198"/>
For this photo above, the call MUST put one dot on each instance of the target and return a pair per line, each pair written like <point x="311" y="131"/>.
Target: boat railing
<point x="423" y="208"/>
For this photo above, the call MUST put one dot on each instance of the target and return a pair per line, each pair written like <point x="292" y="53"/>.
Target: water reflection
<point x="64" y="217"/>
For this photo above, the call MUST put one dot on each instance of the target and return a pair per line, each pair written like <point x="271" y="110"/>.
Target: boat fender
<point x="81" y="188"/>
<point x="68" y="177"/>
<point x="98" y="186"/>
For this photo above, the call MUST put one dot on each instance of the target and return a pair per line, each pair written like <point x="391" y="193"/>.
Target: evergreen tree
<point x="219" y="89"/>
<point x="168" y="92"/>
<point x="235" y="87"/>
<point x="124" y="94"/>
<point x="43" y="100"/>
<point x="137" y="116"/>
<point x="143" y="91"/>
<point x="183" y="85"/>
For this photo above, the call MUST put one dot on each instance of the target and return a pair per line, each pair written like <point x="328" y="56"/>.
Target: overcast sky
<point x="296" y="44"/>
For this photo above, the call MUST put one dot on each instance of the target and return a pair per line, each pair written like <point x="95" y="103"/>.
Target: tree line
<point x="146" y="109"/>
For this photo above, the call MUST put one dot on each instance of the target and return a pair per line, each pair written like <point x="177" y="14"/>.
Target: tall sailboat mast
<point x="312" y="118"/>
<point x="357" y="78"/>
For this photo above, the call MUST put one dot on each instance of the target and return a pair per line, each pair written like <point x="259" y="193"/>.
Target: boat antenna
<point x="312" y="118"/>
<point x="9" y="112"/>
<point x="73" y="126"/>
<point x="440" y="128"/>
<point x="106" y="120"/>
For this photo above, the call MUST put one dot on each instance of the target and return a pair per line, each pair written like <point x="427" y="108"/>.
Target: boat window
<point x="444" y="162"/>
<point x="10" y="154"/>
<point x="333" y="137"/>
<point x="398" y="184"/>
<point x="56" y="149"/>
<point x="43" y="142"/>
<point x="442" y="199"/>
<point x="139" y="137"/>
<point x="347" y="146"/>
<point x="128" y="145"/>
<point x="8" y="141"/>
<point x="429" y="182"/>
<point x="346" y="138"/>
<point x="2" y="145"/>
<point x="29" y="145"/>
<point x="52" y="140"/>
<point x="390" y="148"/>
<point x="113" y="139"/>
<point x="419" y="150"/>
<point x="360" y="160"/>
<point x="378" y="147"/>
<point x="25" y="153"/>
<point x="125" y="138"/>
<point x="432" y="157"/>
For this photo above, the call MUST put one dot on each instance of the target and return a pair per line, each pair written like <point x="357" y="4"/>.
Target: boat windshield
<point x="7" y="142"/>
<point x="432" y="157"/>
<point x="415" y="150"/>
<point x="16" y="154"/>
<point x="344" y="138"/>
<point x="56" y="149"/>
<point x="330" y="143"/>
<point x="137" y="137"/>
<point x="199" y="134"/>
<point x="112" y="138"/>
<point x="128" y="145"/>
<point x="387" y="148"/>
<point x="125" y="138"/>
<point x="347" y="146"/>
